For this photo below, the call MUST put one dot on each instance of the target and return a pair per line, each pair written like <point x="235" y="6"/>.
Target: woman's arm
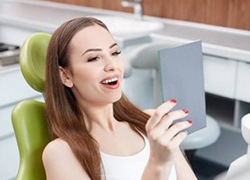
<point x="157" y="171"/>
<point x="60" y="162"/>
<point x="183" y="169"/>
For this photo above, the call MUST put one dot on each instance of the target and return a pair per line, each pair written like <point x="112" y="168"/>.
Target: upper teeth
<point x="110" y="80"/>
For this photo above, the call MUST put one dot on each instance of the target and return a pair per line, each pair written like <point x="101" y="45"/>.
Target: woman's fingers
<point x="159" y="113"/>
<point x="161" y="127"/>
<point x="177" y="140"/>
<point x="166" y="121"/>
<point x="175" y="134"/>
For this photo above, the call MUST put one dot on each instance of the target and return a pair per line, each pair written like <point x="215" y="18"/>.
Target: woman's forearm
<point x="156" y="171"/>
<point x="183" y="169"/>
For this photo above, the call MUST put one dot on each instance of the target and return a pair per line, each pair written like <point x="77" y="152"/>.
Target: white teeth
<point x="110" y="80"/>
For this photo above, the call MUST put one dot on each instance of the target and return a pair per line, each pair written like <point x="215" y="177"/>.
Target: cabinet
<point x="227" y="85"/>
<point x="219" y="75"/>
<point x="222" y="13"/>
<point x="243" y="83"/>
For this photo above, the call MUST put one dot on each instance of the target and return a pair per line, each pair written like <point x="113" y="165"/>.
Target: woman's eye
<point x="116" y="53"/>
<point x="93" y="59"/>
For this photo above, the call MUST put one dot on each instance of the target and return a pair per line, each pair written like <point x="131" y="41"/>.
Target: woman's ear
<point x="65" y="77"/>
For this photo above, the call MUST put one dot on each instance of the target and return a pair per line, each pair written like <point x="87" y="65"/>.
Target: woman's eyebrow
<point x="93" y="49"/>
<point x="98" y="49"/>
<point x="115" y="44"/>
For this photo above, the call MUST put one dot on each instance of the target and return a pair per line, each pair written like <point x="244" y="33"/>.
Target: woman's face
<point x="95" y="69"/>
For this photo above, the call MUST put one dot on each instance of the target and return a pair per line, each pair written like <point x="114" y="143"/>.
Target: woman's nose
<point x="110" y="64"/>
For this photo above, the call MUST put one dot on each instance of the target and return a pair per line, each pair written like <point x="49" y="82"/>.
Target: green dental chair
<point x="28" y="116"/>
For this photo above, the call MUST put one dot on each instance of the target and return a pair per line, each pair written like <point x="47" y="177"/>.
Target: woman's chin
<point x="116" y="97"/>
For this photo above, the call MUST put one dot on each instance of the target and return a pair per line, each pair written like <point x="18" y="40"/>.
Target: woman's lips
<point x="111" y="82"/>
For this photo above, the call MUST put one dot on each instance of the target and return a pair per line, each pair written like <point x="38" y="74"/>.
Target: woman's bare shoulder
<point x="55" y="149"/>
<point x="55" y="154"/>
<point x="55" y="146"/>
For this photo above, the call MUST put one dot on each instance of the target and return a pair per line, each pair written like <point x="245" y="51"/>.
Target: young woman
<point x="97" y="133"/>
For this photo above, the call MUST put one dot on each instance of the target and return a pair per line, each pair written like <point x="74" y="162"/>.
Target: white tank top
<point x="128" y="167"/>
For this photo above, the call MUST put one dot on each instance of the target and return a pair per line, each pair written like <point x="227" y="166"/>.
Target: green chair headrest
<point x="32" y="59"/>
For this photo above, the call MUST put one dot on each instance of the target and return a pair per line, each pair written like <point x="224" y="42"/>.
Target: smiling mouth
<point x="112" y="81"/>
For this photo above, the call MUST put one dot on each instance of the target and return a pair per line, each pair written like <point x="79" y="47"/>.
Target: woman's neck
<point x="99" y="118"/>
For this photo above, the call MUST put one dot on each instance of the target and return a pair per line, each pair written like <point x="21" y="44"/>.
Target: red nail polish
<point x="185" y="111"/>
<point x="190" y="121"/>
<point x="173" y="100"/>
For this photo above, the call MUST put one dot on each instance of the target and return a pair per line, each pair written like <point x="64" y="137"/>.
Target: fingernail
<point x="189" y="121"/>
<point x="185" y="111"/>
<point x="173" y="100"/>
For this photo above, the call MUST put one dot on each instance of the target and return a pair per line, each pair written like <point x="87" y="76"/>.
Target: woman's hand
<point x="164" y="135"/>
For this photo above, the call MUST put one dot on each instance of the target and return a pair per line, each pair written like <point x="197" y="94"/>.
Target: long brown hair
<point x="64" y="116"/>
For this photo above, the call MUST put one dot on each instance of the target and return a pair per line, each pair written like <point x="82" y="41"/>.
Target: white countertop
<point x="47" y="16"/>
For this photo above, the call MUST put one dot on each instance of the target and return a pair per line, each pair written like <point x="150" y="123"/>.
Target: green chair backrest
<point x="32" y="135"/>
<point x="28" y="117"/>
